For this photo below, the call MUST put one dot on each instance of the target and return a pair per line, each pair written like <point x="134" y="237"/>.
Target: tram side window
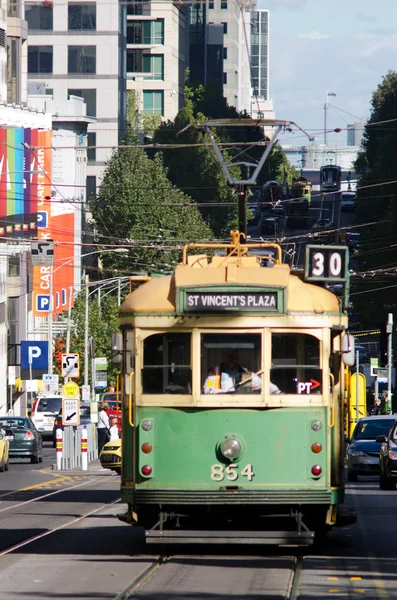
<point x="229" y="363"/>
<point x="296" y="363"/>
<point x="166" y="364"/>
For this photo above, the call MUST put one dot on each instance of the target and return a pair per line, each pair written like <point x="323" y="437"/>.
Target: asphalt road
<point x="91" y="554"/>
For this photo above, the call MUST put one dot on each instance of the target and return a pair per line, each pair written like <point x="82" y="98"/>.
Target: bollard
<point x="58" y="438"/>
<point x="84" y="455"/>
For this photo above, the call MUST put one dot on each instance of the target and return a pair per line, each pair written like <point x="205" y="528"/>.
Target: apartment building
<point x="78" y="49"/>
<point x="157" y="55"/>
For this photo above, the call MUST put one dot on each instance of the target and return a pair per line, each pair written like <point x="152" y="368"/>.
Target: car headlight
<point x="352" y="451"/>
<point x="392" y="454"/>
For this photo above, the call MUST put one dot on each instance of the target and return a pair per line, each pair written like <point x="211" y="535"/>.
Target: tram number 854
<point x="219" y="472"/>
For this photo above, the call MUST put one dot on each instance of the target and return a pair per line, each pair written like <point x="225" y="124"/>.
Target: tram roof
<point x="159" y="294"/>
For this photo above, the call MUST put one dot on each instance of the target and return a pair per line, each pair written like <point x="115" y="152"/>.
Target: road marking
<point x="72" y="487"/>
<point x="355" y="578"/>
<point x="332" y="579"/>
<point x="61" y="479"/>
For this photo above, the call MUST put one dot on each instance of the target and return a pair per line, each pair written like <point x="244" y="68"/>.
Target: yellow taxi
<point x="110" y="456"/>
<point x="4" y="451"/>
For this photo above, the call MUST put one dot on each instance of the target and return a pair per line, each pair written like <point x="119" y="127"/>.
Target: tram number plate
<point x="231" y="472"/>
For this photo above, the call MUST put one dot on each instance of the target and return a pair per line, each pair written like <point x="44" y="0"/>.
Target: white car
<point x="44" y="411"/>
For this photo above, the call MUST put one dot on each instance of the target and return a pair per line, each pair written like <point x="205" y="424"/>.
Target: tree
<point x="138" y="205"/>
<point x="376" y="167"/>
<point x="195" y="169"/>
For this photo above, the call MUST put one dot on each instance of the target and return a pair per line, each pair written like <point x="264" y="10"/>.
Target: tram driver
<point x="229" y="375"/>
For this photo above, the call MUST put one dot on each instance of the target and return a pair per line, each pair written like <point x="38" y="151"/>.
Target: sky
<point x="340" y="46"/>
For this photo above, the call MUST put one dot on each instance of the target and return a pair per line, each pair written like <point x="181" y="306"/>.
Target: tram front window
<point x="230" y="363"/>
<point x="296" y="363"/>
<point x="166" y="364"/>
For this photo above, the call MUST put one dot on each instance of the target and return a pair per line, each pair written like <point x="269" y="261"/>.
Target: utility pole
<point x="326" y="123"/>
<point x="389" y="331"/>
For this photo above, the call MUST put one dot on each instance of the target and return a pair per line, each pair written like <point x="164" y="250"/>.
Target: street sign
<point x="32" y="385"/>
<point x="42" y="253"/>
<point x="381" y="375"/>
<point x="71" y="390"/>
<point x="101" y="365"/>
<point x="71" y="365"/>
<point x="85" y="393"/>
<point x="11" y="375"/>
<point x="34" y="359"/>
<point x="70" y="411"/>
<point x="50" y="383"/>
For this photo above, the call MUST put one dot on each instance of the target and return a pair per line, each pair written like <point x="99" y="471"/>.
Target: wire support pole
<point x="242" y="210"/>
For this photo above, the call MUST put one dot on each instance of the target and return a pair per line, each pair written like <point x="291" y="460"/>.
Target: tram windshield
<point x="166" y="364"/>
<point x="231" y="363"/>
<point x="296" y="363"/>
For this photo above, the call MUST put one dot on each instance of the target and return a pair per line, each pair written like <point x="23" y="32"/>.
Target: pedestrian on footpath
<point x="103" y="426"/>
<point x="114" y="431"/>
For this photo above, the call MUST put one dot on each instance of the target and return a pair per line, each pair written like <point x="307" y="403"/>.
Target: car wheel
<point x="2" y="465"/>
<point x="7" y="465"/>
<point x="352" y="477"/>
<point x="35" y="459"/>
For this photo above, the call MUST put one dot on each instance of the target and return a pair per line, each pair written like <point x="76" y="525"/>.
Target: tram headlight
<point x="316" y="425"/>
<point x="230" y="448"/>
<point x="146" y="425"/>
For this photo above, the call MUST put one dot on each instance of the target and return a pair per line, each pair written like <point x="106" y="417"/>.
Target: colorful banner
<point x="18" y="185"/>
<point x="57" y="224"/>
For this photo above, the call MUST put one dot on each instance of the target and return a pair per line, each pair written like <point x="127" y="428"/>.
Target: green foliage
<point x="102" y="322"/>
<point x="138" y="203"/>
<point x="376" y="167"/>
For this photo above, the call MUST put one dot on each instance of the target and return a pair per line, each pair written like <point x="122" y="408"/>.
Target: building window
<point x="224" y="27"/>
<point x="145" y="32"/>
<point x="134" y="7"/>
<point x="82" y="17"/>
<point x="39" y="17"/>
<point x="90" y="186"/>
<point x="89" y="98"/>
<point x="13" y="8"/>
<point x="91" y="150"/>
<point x="210" y="5"/>
<point x="81" y="60"/>
<point x="224" y="77"/>
<point x="40" y="59"/>
<point x="49" y="92"/>
<point x="225" y="53"/>
<point x="153" y="102"/>
<point x="224" y="5"/>
<point x="14" y="266"/>
<point x="154" y="65"/>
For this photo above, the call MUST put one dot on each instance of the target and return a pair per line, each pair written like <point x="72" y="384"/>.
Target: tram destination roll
<point x="221" y="301"/>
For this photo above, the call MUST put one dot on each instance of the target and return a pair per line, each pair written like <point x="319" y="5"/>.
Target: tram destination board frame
<point x="236" y="300"/>
<point x="327" y="263"/>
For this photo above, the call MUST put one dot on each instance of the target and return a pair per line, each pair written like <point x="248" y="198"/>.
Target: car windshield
<point x="49" y="404"/>
<point x="14" y="423"/>
<point x="368" y="430"/>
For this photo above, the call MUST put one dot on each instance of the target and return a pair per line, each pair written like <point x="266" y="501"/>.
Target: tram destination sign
<point x="212" y="301"/>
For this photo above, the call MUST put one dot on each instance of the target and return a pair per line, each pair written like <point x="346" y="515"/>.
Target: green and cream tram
<point x="232" y="371"/>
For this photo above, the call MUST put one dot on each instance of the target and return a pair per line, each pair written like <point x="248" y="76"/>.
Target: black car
<point x="363" y="449"/>
<point x="85" y="418"/>
<point x="388" y="459"/>
<point x="25" y="440"/>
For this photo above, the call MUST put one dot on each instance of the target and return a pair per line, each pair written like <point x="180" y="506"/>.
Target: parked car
<point x="110" y="456"/>
<point x="4" y="449"/>
<point x="45" y="408"/>
<point x="85" y="418"/>
<point x="348" y="201"/>
<point x="388" y="459"/>
<point x="364" y="448"/>
<point x="25" y="441"/>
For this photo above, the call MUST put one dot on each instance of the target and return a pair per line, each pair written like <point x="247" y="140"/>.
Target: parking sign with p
<point x="34" y="359"/>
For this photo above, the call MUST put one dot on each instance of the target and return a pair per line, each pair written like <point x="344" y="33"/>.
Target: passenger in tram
<point x="229" y="375"/>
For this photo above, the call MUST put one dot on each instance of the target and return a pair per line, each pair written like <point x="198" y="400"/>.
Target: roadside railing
<point x="76" y="446"/>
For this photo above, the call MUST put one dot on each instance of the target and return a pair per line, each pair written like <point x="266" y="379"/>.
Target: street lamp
<point x="87" y="284"/>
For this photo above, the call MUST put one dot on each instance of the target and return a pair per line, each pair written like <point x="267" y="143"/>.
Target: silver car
<point x="363" y="450"/>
